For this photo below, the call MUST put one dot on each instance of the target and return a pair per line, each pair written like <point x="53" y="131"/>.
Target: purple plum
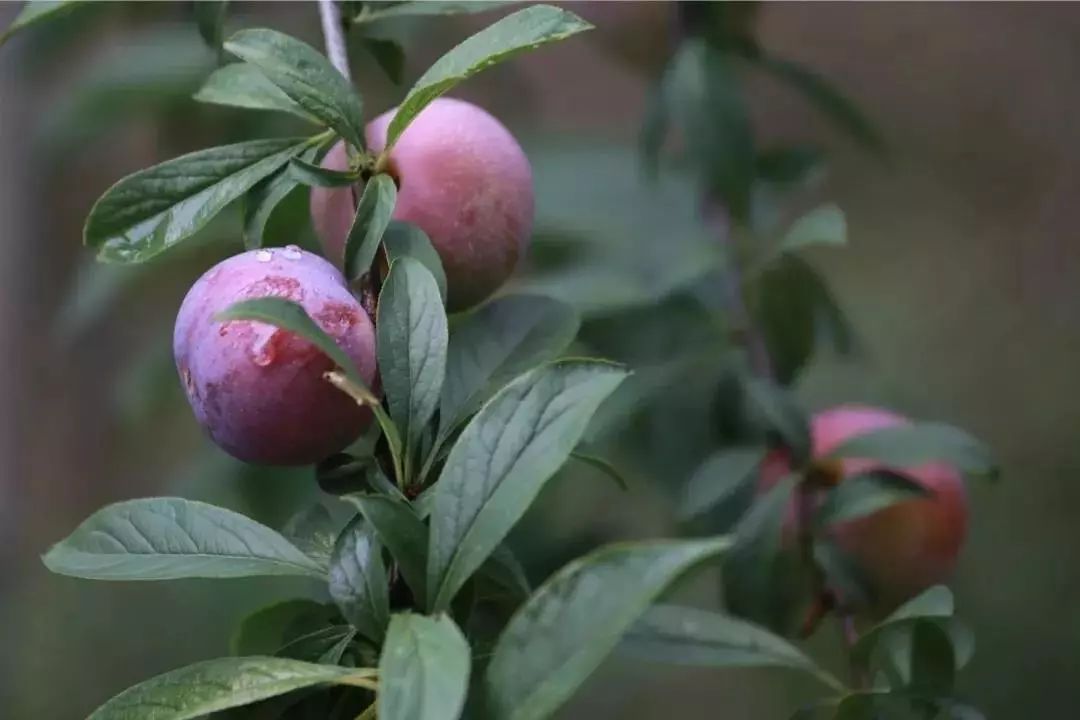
<point x="257" y="389"/>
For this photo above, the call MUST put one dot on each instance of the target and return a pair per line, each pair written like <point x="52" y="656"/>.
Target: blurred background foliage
<point x="957" y="288"/>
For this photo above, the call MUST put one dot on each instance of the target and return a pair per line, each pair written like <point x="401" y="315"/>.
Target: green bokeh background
<point x="960" y="278"/>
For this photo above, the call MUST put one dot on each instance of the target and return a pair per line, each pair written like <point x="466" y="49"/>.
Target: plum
<point x="904" y="548"/>
<point x="463" y="179"/>
<point x="257" y="389"/>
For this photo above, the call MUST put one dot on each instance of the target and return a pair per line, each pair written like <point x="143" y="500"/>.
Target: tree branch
<point x="334" y="34"/>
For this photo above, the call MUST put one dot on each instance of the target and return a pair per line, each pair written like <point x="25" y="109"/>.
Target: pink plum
<point x="259" y="390"/>
<point x="463" y="179"/>
<point x="904" y="548"/>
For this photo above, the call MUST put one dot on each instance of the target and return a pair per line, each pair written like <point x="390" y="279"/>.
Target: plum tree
<point x="463" y="179"/>
<point x="906" y="547"/>
<point x="257" y="389"/>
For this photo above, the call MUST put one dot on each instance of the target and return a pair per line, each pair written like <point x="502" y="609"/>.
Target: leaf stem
<point x="361" y="681"/>
<point x="334" y="35"/>
<point x="363" y="396"/>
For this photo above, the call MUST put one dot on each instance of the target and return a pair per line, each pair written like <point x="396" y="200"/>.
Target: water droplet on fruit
<point x="264" y="348"/>
<point x="264" y="255"/>
<point x="293" y="252"/>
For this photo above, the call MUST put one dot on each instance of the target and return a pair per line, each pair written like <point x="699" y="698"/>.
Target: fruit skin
<point x="904" y="548"/>
<point x="332" y="208"/>
<point x="463" y="179"/>
<point x="258" y="390"/>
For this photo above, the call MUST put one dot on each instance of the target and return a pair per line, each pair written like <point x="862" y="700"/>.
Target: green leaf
<point x="570" y="624"/>
<point x="210" y="17"/>
<point x="778" y="410"/>
<point x="342" y="473"/>
<point x="795" y="309"/>
<point x="605" y="467"/>
<point x="243" y="85"/>
<point x="501" y="461"/>
<point x="933" y="665"/>
<point x="706" y="102"/>
<point x="504" y="570"/>
<point x="689" y="636"/>
<point x="963" y="641"/>
<point x="358" y="583"/>
<point x="337" y="651"/>
<point x="261" y="201"/>
<point x="423" y="669"/>
<point x="403" y="534"/>
<point x="412" y="338"/>
<point x="822" y="226"/>
<point x="296" y="629"/>
<point x="38" y="11"/>
<point x="866" y="493"/>
<point x="514" y="34"/>
<point x="214" y="685"/>
<point x="291" y="316"/>
<point x="379" y="11"/>
<point x="762" y="577"/>
<point x="720" y="477"/>
<point x="594" y="205"/>
<point x="314" y="645"/>
<point x="923" y="654"/>
<point x="389" y="55"/>
<point x="498" y="342"/>
<point x="306" y="76"/>
<point x="170" y="538"/>
<point x="313" y="175"/>
<point x="934" y="603"/>
<point x="152" y="210"/>
<point x="783" y="309"/>
<point x="263" y="632"/>
<point x="314" y="531"/>
<point x="402" y="239"/>
<point x="373" y="214"/>
<point x="922" y="442"/>
<point x="831" y="102"/>
<point x="424" y="503"/>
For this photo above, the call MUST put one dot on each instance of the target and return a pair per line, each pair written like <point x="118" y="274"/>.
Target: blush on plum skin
<point x="904" y="548"/>
<point x="258" y="390"/>
<point x="463" y="179"/>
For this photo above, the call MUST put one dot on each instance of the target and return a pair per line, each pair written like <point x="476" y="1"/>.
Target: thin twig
<point x="716" y="218"/>
<point x="334" y="35"/>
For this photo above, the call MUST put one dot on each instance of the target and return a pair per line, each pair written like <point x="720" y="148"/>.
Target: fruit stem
<point x="334" y="35"/>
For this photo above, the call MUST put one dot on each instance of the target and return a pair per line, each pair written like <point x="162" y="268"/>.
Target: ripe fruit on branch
<point x="906" y="547"/>
<point x="463" y="179"/>
<point x="259" y="390"/>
